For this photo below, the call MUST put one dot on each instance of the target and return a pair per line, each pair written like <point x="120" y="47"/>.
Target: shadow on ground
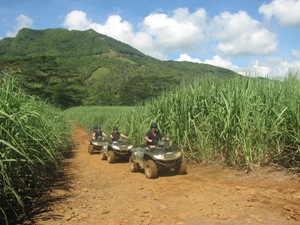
<point x="40" y="201"/>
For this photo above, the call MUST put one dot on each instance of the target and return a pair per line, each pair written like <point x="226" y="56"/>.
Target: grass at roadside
<point x="33" y="137"/>
<point x="106" y="117"/>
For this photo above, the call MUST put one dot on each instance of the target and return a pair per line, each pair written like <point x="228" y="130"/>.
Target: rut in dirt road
<point x="96" y="192"/>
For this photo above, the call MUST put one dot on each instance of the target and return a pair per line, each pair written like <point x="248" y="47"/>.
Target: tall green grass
<point x="106" y="117"/>
<point x="243" y="121"/>
<point x="239" y="121"/>
<point x="33" y="136"/>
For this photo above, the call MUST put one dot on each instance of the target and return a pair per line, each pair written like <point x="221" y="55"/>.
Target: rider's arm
<point x="148" y="139"/>
<point x="123" y="136"/>
<point x="162" y="138"/>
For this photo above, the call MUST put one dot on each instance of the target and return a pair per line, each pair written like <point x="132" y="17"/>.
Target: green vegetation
<point x="99" y="73"/>
<point x="33" y="137"/>
<point x="213" y="114"/>
<point x="105" y="116"/>
<point x="74" y="68"/>
<point x="240" y="122"/>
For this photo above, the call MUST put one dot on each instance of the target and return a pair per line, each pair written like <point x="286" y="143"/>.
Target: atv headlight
<point x="159" y="156"/>
<point x="116" y="147"/>
<point x="130" y="147"/>
<point x="178" y="154"/>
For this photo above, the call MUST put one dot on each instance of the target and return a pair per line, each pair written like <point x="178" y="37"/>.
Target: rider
<point x="98" y="133"/>
<point x="153" y="135"/>
<point x="115" y="135"/>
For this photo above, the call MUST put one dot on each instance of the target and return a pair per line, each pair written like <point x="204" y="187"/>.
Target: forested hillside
<point x="71" y="68"/>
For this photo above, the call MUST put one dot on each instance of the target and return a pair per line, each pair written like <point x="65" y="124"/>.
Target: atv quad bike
<point x="116" y="150"/>
<point x="153" y="159"/>
<point x="97" y="144"/>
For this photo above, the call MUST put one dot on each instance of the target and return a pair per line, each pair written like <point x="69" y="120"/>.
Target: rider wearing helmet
<point x="98" y="133"/>
<point x="115" y="135"/>
<point x="153" y="135"/>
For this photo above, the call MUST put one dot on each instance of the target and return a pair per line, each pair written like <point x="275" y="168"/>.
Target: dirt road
<point x="94" y="192"/>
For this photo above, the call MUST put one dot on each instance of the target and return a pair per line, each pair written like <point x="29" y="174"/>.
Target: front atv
<point x="116" y="150"/>
<point x="153" y="159"/>
<point x="97" y="144"/>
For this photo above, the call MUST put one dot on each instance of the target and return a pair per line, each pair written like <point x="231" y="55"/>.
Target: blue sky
<point x="255" y="38"/>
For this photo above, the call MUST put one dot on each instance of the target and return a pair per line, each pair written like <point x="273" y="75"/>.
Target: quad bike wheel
<point x="182" y="168"/>
<point x="111" y="157"/>
<point x="151" y="170"/>
<point x="102" y="155"/>
<point x="91" y="149"/>
<point x="134" y="167"/>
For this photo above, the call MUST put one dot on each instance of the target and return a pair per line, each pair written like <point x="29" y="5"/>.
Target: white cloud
<point x="257" y="69"/>
<point x="114" y="25"/>
<point x="144" y="43"/>
<point x="182" y="30"/>
<point x="77" y="20"/>
<point x="284" y="67"/>
<point x="221" y="62"/>
<point x="215" y="61"/>
<point x="241" y="35"/>
<point x="287" y="12"/>
<point x="294" y="67"/>
<point x="273" y="68"/>
<point x="295" y="53"/>
<point x="186" y="57"/>
<point x="117" y="28"/>
<point x="22" y="22"/>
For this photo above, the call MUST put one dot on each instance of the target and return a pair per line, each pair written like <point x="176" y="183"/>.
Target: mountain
<point x="71" y="68"/>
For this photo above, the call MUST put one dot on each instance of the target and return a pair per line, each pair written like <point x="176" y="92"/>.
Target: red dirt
<point x="96" y="192"/>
